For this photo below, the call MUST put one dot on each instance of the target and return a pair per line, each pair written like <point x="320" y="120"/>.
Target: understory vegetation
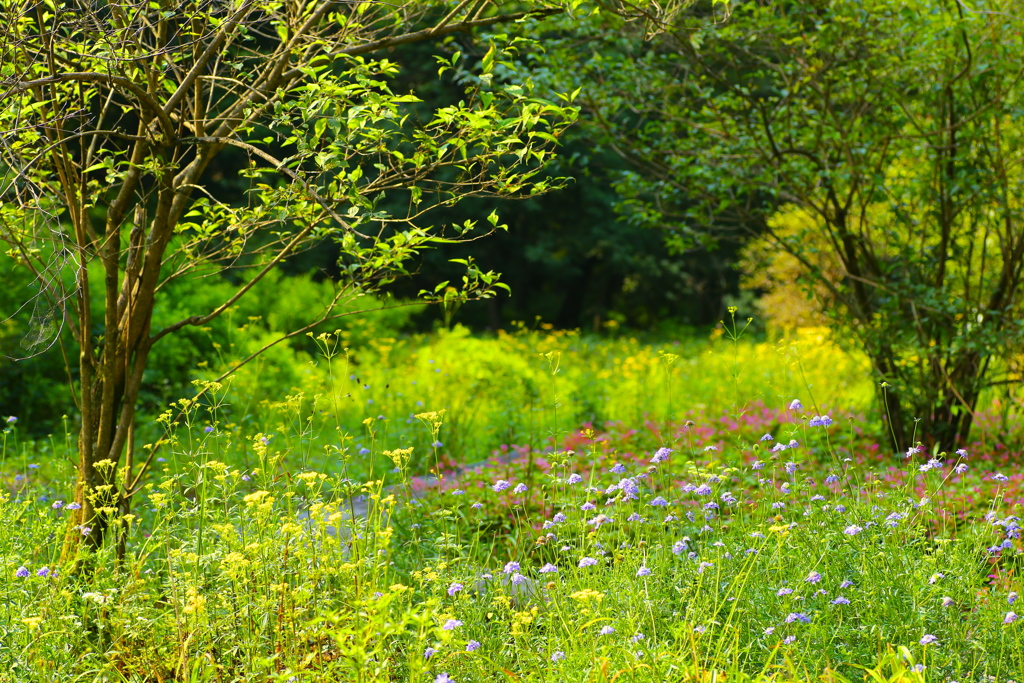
<point x="539" y="506"/>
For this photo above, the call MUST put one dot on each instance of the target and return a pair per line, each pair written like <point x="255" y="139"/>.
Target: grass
<point x="578" y="552"/>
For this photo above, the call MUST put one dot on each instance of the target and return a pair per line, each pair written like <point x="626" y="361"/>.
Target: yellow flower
<point x="32" y="623"/>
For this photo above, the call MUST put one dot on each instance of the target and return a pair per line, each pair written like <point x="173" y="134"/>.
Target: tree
<point x="887" y="139"/>
<point x="114" y="113"/>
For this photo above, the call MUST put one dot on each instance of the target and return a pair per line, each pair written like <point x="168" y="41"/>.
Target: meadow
<point x="535" y="506"/>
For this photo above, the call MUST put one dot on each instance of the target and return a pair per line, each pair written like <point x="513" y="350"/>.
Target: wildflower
<point x="962" y="452"/>
<point x="517" y="579"/>
<point x="586" y="507"/>
<point x="790" y="467"/>
<point x="700" y="629"/>
<point x="1011" y="598"/>
<point x="820" y="421"/>
<point x="1000" y="477"/>
<point x="458" y="492"/>
<point x="840" y="600"/>
<point x="643" y="571"/>
<point x="637" y="638"/>
<point x="796" y="405"/>
<point x="793" y="443"/>
<point x="520" y="488"/>
<point x="756" y="465"/>
<point x="451" y="624"/>
<point x="86" y="530"/>
<point x="702" y="566"/>
<point x="893" y="519"/>
<point x="511" y="568"/>
<point x="557" y="656"/>
<point x="1010" y="618"/>
<point x="429" y="652"/>
<point x="22" y="572"/>
<point x="766" y="437"/>
<point x="635" y="517"/>
<point x="710" y="448"/>
<point x="658" y="502"/>
<point x="770" y="630"/>
<point x="703" y="490"/>
<point x="73" y="506"/>
<point x="789" y="639"/>
<point x="436" y="444"/>
<point x="784" y="591"/>
<point x="912" y="451"/>
<point x="454" y="588"/>
<point x="947" y="601"/>
<point x="831" y="479"/>
<point x="779" y="447"/>
<point x="661" y="455"/>
<point x="607" y="630"/>
<point x="618" y="468"/>
<point x="852" y="530"/>
<point x="928" y="639"/>
<point x="813" y="577"/>
<point x="935" y="577"/>
<point x="679" y="546"/>
<point x="444" y="678"/>
<point x="587" y="562"/>
<point x="476" y="506"/>
<point x="961" y="468"/>
<point x="500" y="485"/>
<point x="548" y="569"/>
<point x="57" y="504"/>
<point x="797" y="616"/>
<point x="574" y="479"/>
<point x="43" y="572"/>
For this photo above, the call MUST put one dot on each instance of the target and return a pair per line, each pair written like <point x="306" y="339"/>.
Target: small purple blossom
<point x="511" y="568"/>
<point x="618" y="468"/>
<point x="548" y="569"/>
<point x="784" y="591"/>
<point x="22" y="572"/>
<point x="789" y="639"/>
<point x="73" y="506"/>
<point x="840" y="600"/>
<point x="454" y="588"/>
<point x="1010" y="618"/>
<point x="661" y="455"/>
<point x="607" y="630"/>
<point x="797" y="616"/>
<point x="57" y="504"/>
<point x="658" y="502"/>
<point x="501" y="485"/>
<point x="444" y="678"/>
<point x="472" y="645"/>
<point x="557" y="656"/>
<point x="703" y="490"/>
<point x="574" y="479"/>
<point x="43" y="572"/>
<point x="587" y="562"/>
<point x="429" y="652"/>
<point x="451" y="624"/>
<point x="928" y="639"/>
<point x="520" y="488"/>
<point x="643" y="571"/>
<point x="813" y="577"/>
<point x="767" y="437"/>
<point x="853" y="530"/>
<point x="796" y="405"/>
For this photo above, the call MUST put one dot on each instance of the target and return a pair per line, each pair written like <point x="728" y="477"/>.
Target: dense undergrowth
<point x="707" y="528"/>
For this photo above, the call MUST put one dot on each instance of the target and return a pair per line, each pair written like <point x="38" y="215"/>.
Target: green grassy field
<point x="634" y="512"/>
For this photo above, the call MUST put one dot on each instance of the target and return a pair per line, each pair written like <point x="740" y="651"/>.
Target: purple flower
<point x="74" y="506"/>
<point x="1011" y="598"/>
<point x="451" y="624"/>
<point x="961" y="468"/>
<point x="779" y="447"/>
<point x="607" y="630"/>
<point x="437" y="444"/>
<point x="797" y="616"/>
<point x="679" y="547"/>
<point x="557" y="656"/>
<point x="852" y="530"/>
<point x="500" y="485"/>
<point x="789" y="639"/>
<point x="784" y="591"/>
<point x="766" y="437"/>
<point x="756" y="465"/>
<point x="618" y="468"/>
<point x="831" y="479"/>
<point x="962" y="452"/>
<point x="454" y="588"/>
<point x="548" y="569"/>
<point x="428" y="653"/>
<point x="703" y="490"/>
<point x="702" y="566"/>
<point x="587" y="562"/>
<point x="457" y="492"/>
<point x="517" y="579"/>
<point x="928" y="639"/>
<point x="790" y="467"/>
<point x="444" y="678"/>
<point x="770" y="630"/>
<point x="574" y="479"/>
<point x="57" y="504"/>
<point x="520" y="488"/>
<point x="1000" y="477"/>
<point x="820" y="421"/>
<point x="637" y="638"/>
<point x="643" y="571"/>
<point x="559" y="518"/>
<point x="635" y="517"/>
<point x="22" y="572"/>
<point x="796" y="405"/>
<point x="840" y="600"/>
<point x="947" y="601"/>
<point x="586" y="507"/>
<point x="1010" y="618"/>
<point x="476" y="506"/>
<point x="43" y="572"/>
<point x="813" y="577"/>
<point x="472" y="645"/>
<point x="511" y="568"/>
<point x="661" y="455"/>
<point x="658" y="502"/>
<point x="208" y="428"/>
